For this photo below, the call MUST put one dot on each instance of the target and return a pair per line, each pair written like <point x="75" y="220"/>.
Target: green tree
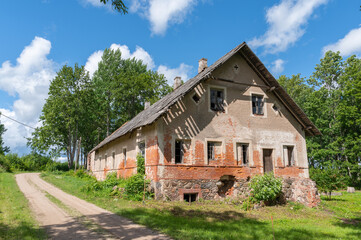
<point x="122" y="86"/>
<point x="66" y="115"/>
<point x="328" y="179"/>
<point x="3" y="149"/>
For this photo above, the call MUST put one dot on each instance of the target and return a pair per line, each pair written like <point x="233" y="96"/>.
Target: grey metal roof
<point x="152" y="113"/>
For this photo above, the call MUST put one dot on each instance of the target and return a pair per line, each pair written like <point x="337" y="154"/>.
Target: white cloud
<point x="162" y="13"/>
<point x="95" y="3"/>
<point x="170" y="73"/>
<point x="182" y="71"/>
<point x="139" y="53"/>
<point x="350" y="44"/>
<point x="287" y="21"/>
<point x="278" y="66"/>
<point x="29" y="81"/>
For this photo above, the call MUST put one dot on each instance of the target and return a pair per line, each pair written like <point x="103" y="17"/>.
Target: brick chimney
<point x="202" y="64"/>
<point x="177" y="83"/>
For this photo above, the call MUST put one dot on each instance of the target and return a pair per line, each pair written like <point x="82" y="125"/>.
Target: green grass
<point x="16" y="219"/>
<point x="219" y="220"/>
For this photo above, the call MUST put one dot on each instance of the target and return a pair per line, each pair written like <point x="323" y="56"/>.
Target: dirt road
<point x="74" y="218"/>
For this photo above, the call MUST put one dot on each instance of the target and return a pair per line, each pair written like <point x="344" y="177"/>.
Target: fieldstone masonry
<point x="302" y="190"/>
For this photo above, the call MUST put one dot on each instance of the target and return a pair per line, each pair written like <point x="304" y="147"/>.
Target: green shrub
<point x="134" y="187"/>
<point x="328" y="179"/>
<point x="265" y="187"/>
<point x="54" y="166"/>
<point x="4" y="164"/>
<point x="140" y="164"/>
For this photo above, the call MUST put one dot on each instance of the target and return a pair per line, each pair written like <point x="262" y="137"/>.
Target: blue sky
<point x="39" y="36"/>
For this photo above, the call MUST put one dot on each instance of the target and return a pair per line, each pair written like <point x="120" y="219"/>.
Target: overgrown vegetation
<point x="327" y="179"/>
<point x="31" y="162"/>
<point x="133" y="188"/>
<point x="227" y="220"/>
<point x="16" y="220"/>
<point x="265" y="188"/>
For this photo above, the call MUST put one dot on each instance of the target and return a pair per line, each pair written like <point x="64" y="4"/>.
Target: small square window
<point x="217" y="99"/>
<point x="257" y="104"/>
<point x="196" y="98"/>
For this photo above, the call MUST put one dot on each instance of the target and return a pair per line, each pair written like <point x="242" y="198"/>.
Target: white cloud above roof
<point x="287" y="22"/>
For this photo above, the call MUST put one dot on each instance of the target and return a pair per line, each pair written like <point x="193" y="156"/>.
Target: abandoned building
<point x="210" y="135"/>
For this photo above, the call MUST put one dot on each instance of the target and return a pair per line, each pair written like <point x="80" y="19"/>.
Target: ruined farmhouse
<point x="210" y="135"/>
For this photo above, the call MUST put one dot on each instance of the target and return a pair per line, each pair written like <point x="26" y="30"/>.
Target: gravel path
<point x="62" y="225"/>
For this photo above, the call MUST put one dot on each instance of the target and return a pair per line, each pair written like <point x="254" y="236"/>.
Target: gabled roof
<point x="152" y="113"/>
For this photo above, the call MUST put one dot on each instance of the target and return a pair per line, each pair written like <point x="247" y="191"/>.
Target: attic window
<point x="257" y="104"/>
<point x="196" y="98"/>
<point x="217" y="99"/>
<point x="236" y="67"/>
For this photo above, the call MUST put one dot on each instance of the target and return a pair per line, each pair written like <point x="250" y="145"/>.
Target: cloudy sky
<point x="170" y="36"/>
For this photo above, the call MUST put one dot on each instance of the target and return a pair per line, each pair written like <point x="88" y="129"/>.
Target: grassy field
<point x="339" y="218"/>
<point x="16" y="220"/>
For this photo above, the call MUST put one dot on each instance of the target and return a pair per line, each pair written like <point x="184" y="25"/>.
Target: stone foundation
<point x="294" y="189"/>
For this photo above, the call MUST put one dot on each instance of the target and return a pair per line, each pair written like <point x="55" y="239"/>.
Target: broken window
<point x="125" y="156"/>
<point x="190" y="197"/>
<point x="217" y="99"/>
<point x="141" y="146"/>
<point x="242" y="153"/>
<point x="257" y="104"/>
<point x="288" y="155"/>
<point x="179" y="151"/>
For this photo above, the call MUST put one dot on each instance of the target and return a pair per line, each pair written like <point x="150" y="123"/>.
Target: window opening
<point x="141" y="146"/>
<point x="289" y="156"/>
<point x="113" y="156"/>
<point x="242" y="153"/>
<point x="190" y="197"/>
<point x="105" y="160"/>
<point x="211" y="150"/>
<point x="257" y="104"/>
<point x="179" y="151"/>
<point x="125" y="156"/>
<point x="196" y="98"/>
<point x="217" y="99"/>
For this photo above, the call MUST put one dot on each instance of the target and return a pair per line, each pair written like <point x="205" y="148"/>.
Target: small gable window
<point x="196" y="98"/>
<point x="257" y="104"/>
<point x="217" y="99"/>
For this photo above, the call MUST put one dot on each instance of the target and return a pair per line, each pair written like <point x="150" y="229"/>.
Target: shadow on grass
<point x="195" y="225"/>
<point x="333" y="200"/>
<point x="22" y="231"/>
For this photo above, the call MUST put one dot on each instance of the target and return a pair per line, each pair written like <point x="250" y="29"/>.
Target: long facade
<point x="229" y="127"/>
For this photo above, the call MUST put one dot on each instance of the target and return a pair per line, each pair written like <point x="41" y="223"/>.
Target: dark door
<point x="267" y="160"/>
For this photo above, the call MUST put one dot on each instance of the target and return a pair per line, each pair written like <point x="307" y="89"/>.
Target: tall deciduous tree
<point x="3" y="149"/>
<point x="122" y="87"/>
<point x="66" y="113"/>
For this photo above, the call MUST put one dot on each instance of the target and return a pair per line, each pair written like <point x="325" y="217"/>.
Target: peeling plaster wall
<point x="196" y="124"/>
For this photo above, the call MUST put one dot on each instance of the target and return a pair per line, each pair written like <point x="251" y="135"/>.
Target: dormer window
<point x="217" y="99"/>
<point x="257" y="104"/>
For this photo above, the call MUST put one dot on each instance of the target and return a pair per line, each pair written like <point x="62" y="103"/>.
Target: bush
<point x="140" y="164"/>
<point x="4" y="164"/>
<point x="54" y="166"/>
<point x="328" y="179"/>
<point x="265" y="187"/>
<point x="134" y="187"/>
